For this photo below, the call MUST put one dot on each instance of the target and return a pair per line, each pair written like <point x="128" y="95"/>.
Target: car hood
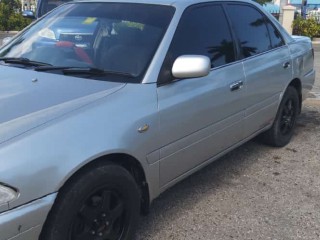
<point x="29" y="99"/>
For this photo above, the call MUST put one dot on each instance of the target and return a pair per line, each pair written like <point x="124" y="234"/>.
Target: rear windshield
<point x="45" y="6"/>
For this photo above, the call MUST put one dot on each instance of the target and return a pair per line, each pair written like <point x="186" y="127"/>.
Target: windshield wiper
<point x="24" y="61"/>
<point x="82" y="71"/>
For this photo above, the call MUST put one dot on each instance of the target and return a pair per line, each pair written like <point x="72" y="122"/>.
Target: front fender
<point x="40" y="161"/>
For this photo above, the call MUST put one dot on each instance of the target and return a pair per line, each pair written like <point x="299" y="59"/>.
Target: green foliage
<point x="10" y="16"/>
<point x="14" y="5"/>
<point x="306" y="27"/>
<point x="17" y="22"/>
<point x="127" y="24"/>
<point x="262" y="1"/>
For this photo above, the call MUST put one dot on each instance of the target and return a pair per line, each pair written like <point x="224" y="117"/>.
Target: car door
<point x="266" y="61"/>
<point x="200" y="117"/>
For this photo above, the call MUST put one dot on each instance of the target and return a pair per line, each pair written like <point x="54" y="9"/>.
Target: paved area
<point x="5" y="34"/>
<point x="255" y="192"/>
<point x="317" y="46"/>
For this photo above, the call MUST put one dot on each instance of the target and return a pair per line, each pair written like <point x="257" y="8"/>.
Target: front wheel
<point x="281" y="131"/>
<point x="101" y="203"/>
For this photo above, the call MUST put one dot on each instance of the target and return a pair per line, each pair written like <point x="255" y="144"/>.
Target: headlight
<point x="7" y="194"/>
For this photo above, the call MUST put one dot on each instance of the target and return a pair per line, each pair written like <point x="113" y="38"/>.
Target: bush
<point x="17" y="22"/>
<point x="126" y="24"/>
<point x="306" y="27"/>
<point x="10" y="17"/>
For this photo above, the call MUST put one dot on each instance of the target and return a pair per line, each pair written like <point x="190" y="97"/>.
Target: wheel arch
<point x="296" y="83"/>
<point x="124" y="161"/>
<point x="128" y="162"/>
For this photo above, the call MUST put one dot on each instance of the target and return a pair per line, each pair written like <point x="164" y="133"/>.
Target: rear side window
<point x="275" y="37"/>
<point x="204" y="30"/>
<point x="250" y="28"/>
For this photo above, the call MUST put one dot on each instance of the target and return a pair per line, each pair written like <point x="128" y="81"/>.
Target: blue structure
<point x="272" y="8"/>
<point x="311" y="4"/>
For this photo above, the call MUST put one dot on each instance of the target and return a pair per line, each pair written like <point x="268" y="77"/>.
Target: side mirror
<point x="191" y="66"/>
<point x="28" y="14"/>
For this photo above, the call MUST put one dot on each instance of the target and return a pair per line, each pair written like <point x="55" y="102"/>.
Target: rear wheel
<point x="281" y="131"/>
<point x="102" y="203"/>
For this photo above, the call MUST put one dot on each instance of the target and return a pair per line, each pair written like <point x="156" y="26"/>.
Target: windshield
<point x="108" y="37"/>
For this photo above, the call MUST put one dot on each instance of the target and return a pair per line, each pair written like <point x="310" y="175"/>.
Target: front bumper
<point x="25" y="222"/>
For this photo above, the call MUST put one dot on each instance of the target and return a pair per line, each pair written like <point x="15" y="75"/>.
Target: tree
<point x="10" y="17"/>
<point x="262" y="1"/>
<point x="14" y="5"/>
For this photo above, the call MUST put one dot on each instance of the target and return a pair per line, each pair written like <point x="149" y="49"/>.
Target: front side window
<point x="204" y="30"/>
<point x="250" y="28"/>
<point x="107" y="41"/>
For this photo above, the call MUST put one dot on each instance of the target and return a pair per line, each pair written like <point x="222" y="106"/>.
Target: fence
<point x="276" y="15"/>
<point x="315" y="15"/>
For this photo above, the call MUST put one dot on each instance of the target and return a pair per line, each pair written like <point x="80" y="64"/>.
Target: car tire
<point x="101" y="202"/>
<point x="282" y="129"/>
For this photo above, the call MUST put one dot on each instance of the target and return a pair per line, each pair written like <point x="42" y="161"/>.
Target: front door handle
<point x="236" y="85"/>
<point x="286" y="65"/>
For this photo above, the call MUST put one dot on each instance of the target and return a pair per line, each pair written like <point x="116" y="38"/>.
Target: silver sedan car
<point x="106" y="104"/>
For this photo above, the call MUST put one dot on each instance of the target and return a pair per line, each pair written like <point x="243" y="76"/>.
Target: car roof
<point x="182" y="4"/>
<point x="175" y="3"/>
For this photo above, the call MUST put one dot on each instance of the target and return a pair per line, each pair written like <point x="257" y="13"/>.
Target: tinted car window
<point x="48" y="5"/>
<point x="276" y="39"/>
<point x="204" y="31"/>
<point x="251" y="30"/>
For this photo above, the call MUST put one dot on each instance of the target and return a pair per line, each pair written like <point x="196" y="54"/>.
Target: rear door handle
<point x="236" y="85"/>
<point x="286" y="65"/>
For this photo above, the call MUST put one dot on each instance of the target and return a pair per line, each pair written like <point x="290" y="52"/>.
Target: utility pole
<point x="304" y="9"/>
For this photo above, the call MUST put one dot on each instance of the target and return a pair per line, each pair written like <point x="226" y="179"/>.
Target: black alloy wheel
<point x="102" y="216"/>
<point x="287" y="120"/>
<point x="282" y="129"/>
<point x="99" y="203"/>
